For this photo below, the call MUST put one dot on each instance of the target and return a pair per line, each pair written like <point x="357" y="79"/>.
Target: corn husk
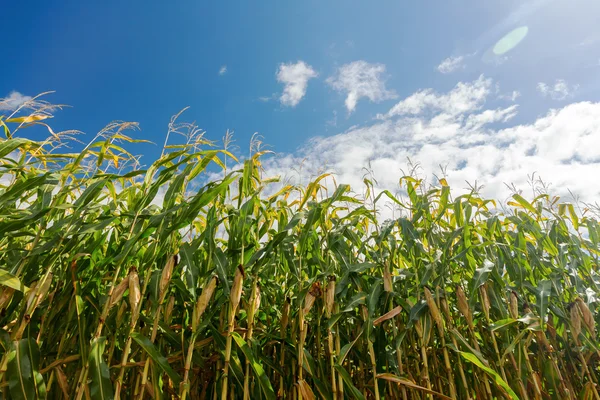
<point x="330" y="296"/>
<point x="62" y="380"/>
<point x="433" y="309"/>
<point x="203" y="300"/>
<point x="575" y="322"/>
<point x="463" y="305"/>
<point x="313" y="293"/>
<point x="169" y="308"/>
<point x="121" y="313"/>
<point x="305" y="390"/>
<point x="165" y="277"/>
<point x="236" y="288"/>
<point x="134" y="294"/>
<point x="588" y="317"/>
<point x="257" y="300"/>
<point x="118" y="291"/>
<point x="485" y="300"/>
<point x="542" y="341"/>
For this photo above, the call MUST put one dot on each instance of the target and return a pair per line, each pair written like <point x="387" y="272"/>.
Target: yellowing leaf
<point x="28" y="119"/>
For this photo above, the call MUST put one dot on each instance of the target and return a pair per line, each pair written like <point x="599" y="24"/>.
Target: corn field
<point x="180" y="281"/>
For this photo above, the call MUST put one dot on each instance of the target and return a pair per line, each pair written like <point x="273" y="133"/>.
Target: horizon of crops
<point x="222" y="291"/>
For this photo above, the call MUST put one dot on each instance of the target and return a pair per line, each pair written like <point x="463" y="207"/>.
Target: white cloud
<point x="465" y="97"/>
<point x="223" y="70"/>
<point x="563" y="147"/>
<point x="360" y="79"/>
<point x="561" y="90"/>
<point x="295" y="78"/>
<point x="13" y="101"/>
<point x="451" y="64"/>
<point x="511" y="96"/>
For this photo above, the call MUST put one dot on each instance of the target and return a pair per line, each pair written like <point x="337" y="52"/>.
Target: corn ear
<point x="134" y="293"/>
<point x="165" y="277"/>
<point x="588" y="317"/>
<point x="313" y="293"/>
<point x="575" y="322"/>
<point x="463" y="305"/>
<point x="330" y="296"/>
<point x="485" y="301"/>
<point x="305" y="390"/>
<point x="118" y="292"/>
<point x="203" y="301"/>
<point x="433" y="309"/>
<point x="169" y="308"/>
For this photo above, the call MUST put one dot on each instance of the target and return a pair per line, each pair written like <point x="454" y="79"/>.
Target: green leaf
<point x="97" y="226"/>
<point x="100" y="385"/>
<point x="11" y="281"/>
<point x="573" y="214"/>
<point x="479" y="278"/>
<point x="89" y="194"/>
<point x="22" y="373"/>
<point x="158" y="358"/>
<point x="501" y="383"/>
<point x="524" y="203"/>
<point x="347" y="347"/>
<point x="10" y="145"/>
<point x="543" y="292"/>
<point x="503" y="323"/>
<point x="355" y="301"/>
<point x="373" y="298"/>
<point x="263" y="379"/>
<point x="348" y="383"/>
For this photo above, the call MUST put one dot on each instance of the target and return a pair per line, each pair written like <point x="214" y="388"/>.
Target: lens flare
<point x="510" y="40"/>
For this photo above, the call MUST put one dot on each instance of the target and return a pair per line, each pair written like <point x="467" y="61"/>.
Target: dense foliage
<point x="124" y="282"/>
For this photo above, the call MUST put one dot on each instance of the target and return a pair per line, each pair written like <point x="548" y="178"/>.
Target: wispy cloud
<point x="295" y="77"/>
<point x="361" y="79"/>
<point x="451" y="64"/>
<point x="223" y="70"/>
<point x="265" y="99"/>
<point x="513" y="96"/>
<point x="13" y="101"/>
<point x="560" y="90"/>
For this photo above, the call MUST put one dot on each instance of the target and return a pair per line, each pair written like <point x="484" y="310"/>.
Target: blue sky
<point x="144" y="61"/>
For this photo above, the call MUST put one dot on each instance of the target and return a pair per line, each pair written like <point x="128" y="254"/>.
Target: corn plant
<point x="173" y="281"/>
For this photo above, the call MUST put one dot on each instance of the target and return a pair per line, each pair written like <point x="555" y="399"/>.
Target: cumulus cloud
<point x="13" y="101"/>
<point x="561" y="90"/>
<point x="465" y="97"/>
<point x="451" y="64"/>
<point x="295" y="77"/>
<point x="223" y="70"/>
<point x="361" y="79"/>
<point x="563" y="147"/>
